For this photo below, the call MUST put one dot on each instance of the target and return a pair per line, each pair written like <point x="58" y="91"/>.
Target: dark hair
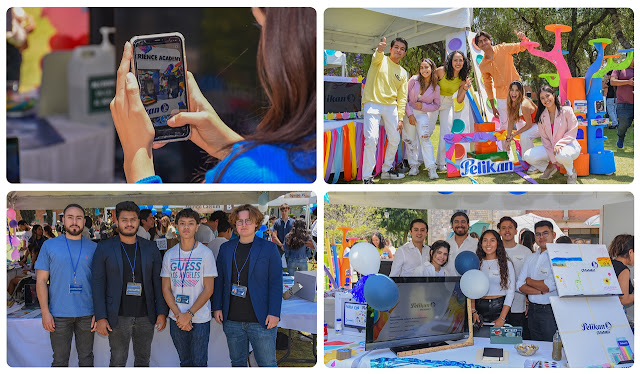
<point x="34" y="229"/>
<point x="88" y="222"/>
<point x="458" y="214"/>
<point x="507" y="218"/>
<point x="379" y="235"/>
<point x="401" y="40"/>
<point x="564" y="240"/>
<point x="501" y="253"/>
<point x="128" y="206"/>
<point x="145" y="213"/>
<point x="543" y="223"/>
<point x="418" y="220"/>
<point x="620" y="245"/>
<point x="435" y="246"/>
<point x="433" y="78"/>
<point x="48" y="230"/>
<point x="297" y="236"/>
<point x="72" y="205"/>
<point x="22" y="222"/>
<point x="218" y="215"/>
<point x="223" y="226"/>
<point x="528" y="238"/>
<point x="286" y="63"/>
<point x="188" y="213"/>
<point x="449" y="66"/>
<point x="541" y="107"/>
<point x="479" y="34"/>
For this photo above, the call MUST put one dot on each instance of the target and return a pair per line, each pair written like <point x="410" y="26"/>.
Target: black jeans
<point x="65" y="329"/>
<point x="489" y="310"/>
<point x="542" y="323"/>
<point x="138" y="329"/>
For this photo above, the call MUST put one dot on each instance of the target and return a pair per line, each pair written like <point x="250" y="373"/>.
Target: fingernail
<point x="130" y="77"/>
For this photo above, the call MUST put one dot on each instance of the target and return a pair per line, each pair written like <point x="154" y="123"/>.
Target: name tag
<point x="134" y="289"/>
<point x="495" y="273"/>
<point x="544" y="271"/>
<point x="75" y="288"/>
<point x="519" y="258"/>
<point x="182" y="299"/>
<point x="239" y="291"/>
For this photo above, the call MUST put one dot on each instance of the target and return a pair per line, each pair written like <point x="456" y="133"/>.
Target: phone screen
<point x="159" y="63"/>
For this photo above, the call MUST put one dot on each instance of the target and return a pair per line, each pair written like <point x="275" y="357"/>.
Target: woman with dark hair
<point x="48" y="232"/>
<point x="520" y="113"/>
<point x="423" y="102"/>
<point x="282" y="150"/>
<point x="438" y="258"/>
<point x="297" y="253"/>
<point x="453" y="80"/>
<point x="528" y="239"/>
<point x="622" y="253"/>
<point x="558" y="127"/>
<point x="379" y="242"/>
<point x="495" y="306"/>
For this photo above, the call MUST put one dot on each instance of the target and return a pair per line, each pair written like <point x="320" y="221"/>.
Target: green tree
<point x="49" y="218"/>
<point x="28" y="215"/>
<point x="398" y="222"/>
<point x="364" y="221"/>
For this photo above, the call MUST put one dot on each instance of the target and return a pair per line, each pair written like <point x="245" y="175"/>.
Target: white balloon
<point x="474" y="284"/>
<point x="364" y="258"/>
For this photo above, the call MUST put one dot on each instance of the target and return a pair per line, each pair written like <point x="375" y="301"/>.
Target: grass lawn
<point x="301" y="347"/>
<point x="623" y="174"/>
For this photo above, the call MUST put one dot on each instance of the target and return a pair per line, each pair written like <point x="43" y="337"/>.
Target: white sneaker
<point x="391" y="174"/>
<point x="573" y="178"/>
<point x="532" y="170"/>
<point x="432" y="173"/>
<point x="415" y="170"/>
<point x="442" y="168"/>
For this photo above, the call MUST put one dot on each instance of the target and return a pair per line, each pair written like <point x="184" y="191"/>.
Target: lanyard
<point x="245" y="261"/>
<point x="75" y="267"/>
<point x="184" y="273"/>
<point x="135" y="254"/>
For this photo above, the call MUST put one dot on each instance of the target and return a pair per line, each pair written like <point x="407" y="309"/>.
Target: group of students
<point x="408" y="108"/>
<point x="520" y="278"/>
<point x="124" y="289"/>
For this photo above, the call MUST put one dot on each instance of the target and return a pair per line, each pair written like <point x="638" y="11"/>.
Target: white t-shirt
<point x="428" y="270"/>
<point x="469" y="244"/>
<point x="518" y="255"/>
<point x="199" y="263"/>
<point x="215" y="244"/>
<point x="27" y="235"/>
<point x="492" y="270"/>
<point x="407" y="258"/>
<point x="204" y="234"/>
<point x="143" y="233"/>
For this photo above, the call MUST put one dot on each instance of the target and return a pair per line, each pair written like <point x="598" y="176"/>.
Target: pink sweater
<point x="430" y="99"/>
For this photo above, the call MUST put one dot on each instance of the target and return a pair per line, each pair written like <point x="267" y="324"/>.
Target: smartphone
<point x="161" y="67"/>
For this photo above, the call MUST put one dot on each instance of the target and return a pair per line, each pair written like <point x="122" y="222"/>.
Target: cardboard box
<point x="308" y="281"/>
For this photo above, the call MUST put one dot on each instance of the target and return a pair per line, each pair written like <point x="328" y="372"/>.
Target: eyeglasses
<point x="245" y="222"/>
<point x="544" y="233"/>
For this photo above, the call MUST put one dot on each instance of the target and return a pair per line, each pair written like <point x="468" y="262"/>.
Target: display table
<point x="362" y="359"/>
<point x="28" y="343"/>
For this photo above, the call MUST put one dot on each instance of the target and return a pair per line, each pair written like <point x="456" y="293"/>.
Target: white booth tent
<point x="360" y="30"/>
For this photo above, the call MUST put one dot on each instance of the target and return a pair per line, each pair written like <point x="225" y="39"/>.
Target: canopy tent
<point x="593" y="221"/>
<point x="294" y="199"/>
<point x="528" y="221"/>
<point x="360" y="30"/>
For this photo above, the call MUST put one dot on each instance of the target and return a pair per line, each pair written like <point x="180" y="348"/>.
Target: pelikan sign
<point x="471" y="166"/>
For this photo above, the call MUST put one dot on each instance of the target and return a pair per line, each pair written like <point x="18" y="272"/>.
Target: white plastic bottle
<point x="338" y="326"/>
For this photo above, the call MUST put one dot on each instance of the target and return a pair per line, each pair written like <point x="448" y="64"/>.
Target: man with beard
<point x="411" y="254"/>
<point x="127" y="268"/>
<point x="67" y="306"/>
<point x="460" y="241"/>
<point x="536" y="280"/>
<point x="518" y="253"/>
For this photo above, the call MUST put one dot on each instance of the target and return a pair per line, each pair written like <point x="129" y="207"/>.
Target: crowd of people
<point x="408" y="108"/>
<point x="116" y="281"/>
<point x="520" y="278"/>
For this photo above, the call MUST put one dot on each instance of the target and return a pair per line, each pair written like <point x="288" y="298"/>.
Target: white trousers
<point x="375" y="113"/>
<point x="538" y="157"/>
<point x="419" y="136"/>
<point x="446" y="122"/>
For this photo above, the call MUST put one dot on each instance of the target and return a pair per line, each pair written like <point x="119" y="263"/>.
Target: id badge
<point x="75" y="288"/>
<point x="240" y="291"/>
<point x="134" y="289"/>
<point x="182" y="299"/>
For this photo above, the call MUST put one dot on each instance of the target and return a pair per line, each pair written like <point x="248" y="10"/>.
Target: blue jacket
<point x="107" y="282"/>
<point x="265" y="279"/>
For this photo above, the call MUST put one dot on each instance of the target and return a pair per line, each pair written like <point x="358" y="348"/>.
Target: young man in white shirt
<point x="518" y="253"/>
<point x="412" y="254"/>
<point x="188" y="270"/>
<point x="146" y="223"/>
<point x="460" y="241"/>
<point x="536" y="280"/>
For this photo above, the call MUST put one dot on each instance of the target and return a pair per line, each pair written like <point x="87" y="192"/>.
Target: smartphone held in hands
<point x="160" y="66"/>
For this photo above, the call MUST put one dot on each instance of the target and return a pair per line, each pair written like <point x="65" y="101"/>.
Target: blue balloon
<point x="465" y="261"/>
<point x="154" y="212"/>
<point x="381" y="292"/>
<point x="167" y="212"/>
<point x="165" y="206"/>
<point x="142" y="207"/>
<point x="263" y="228"/>
<point x="97" y="211"/>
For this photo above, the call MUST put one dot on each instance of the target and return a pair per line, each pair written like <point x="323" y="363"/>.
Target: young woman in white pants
<point x="423" y="102"/>
<point x="558" y="127"/>
<point x="521" y="112"/>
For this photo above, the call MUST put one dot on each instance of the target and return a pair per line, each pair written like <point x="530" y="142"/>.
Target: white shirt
<point x="215" y="244"/>
<point x="204" y="234"/>
<point x="26" y="236"/>
<point x="469" y="244"/>
<point x="428" y="270"/>
<point x="199" y="263"/>
<point x="538" y="267"/>
<point x="518" y="255"/>
<point x="143" y="233"/>
<point x="407" y="258"/>
<point x="492" y="270"/>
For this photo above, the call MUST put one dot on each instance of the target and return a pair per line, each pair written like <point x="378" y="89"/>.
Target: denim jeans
<point x="625" y="118"/>
<point x="296" y="264"/>
<point x="542" y="323"/>
<point x="138" y="329"/>
<point x="489" y="310"/>
<point x="263" y="341"/>
<point x="65" y="329"/>
<point x="611" y="111"/>
<point x="192" y="346"/>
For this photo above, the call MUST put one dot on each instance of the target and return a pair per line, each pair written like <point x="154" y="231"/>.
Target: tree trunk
<point x="615" y="22"/>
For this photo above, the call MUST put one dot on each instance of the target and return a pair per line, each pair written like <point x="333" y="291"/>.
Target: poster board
<point x="583" y="270"/>
<point x="594" y="331"/>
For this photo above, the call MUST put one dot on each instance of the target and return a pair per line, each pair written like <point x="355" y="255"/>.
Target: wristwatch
<point x="190" y="312"/>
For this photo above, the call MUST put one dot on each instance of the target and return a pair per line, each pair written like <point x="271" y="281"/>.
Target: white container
<point x="91" y="76"/>
<point x="338" y="327"/>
